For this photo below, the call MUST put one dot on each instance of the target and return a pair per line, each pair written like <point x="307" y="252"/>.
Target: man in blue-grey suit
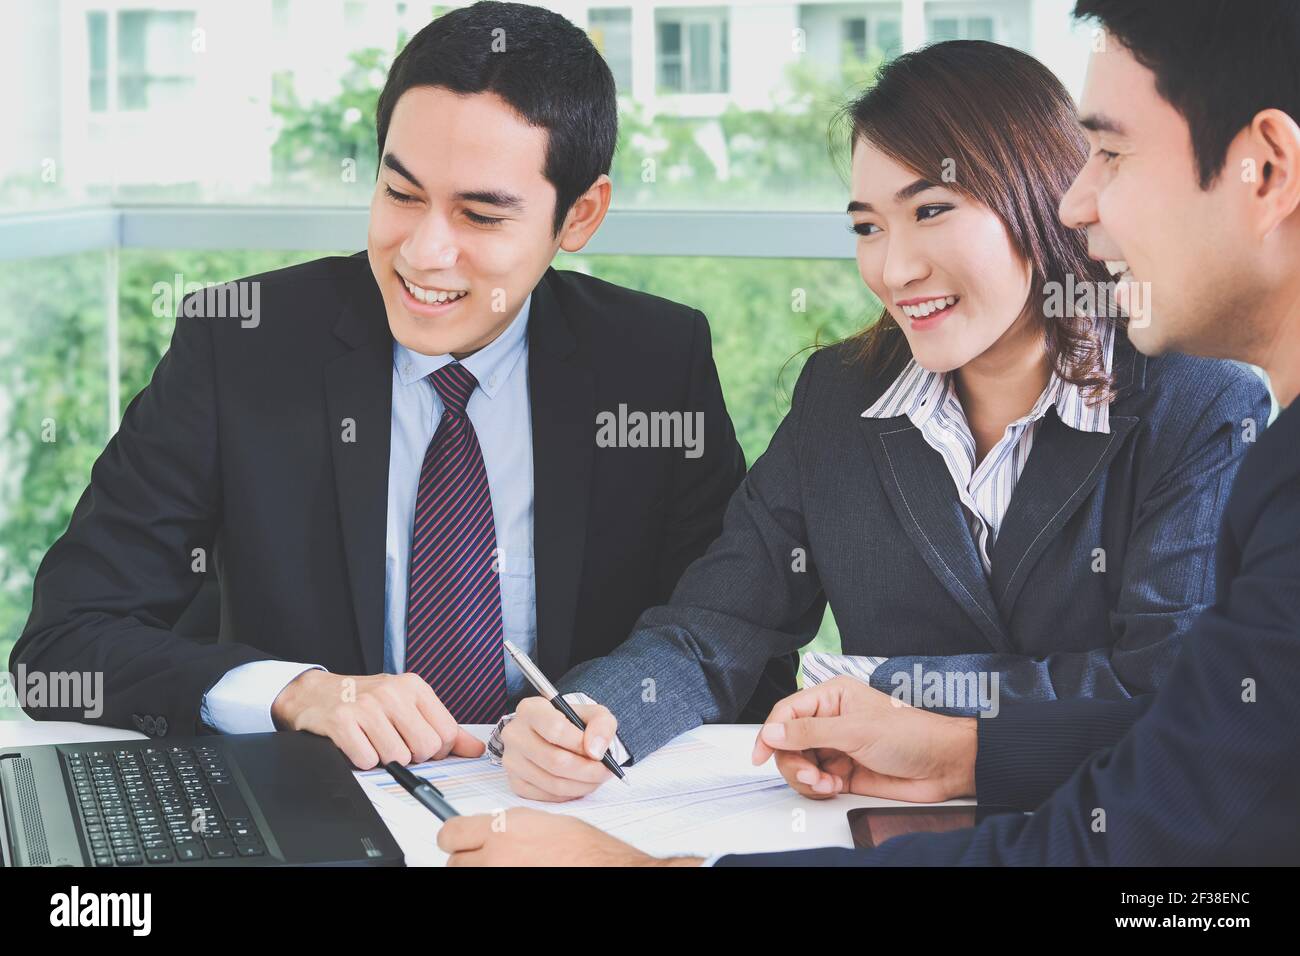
<point x="1194" y="184"/>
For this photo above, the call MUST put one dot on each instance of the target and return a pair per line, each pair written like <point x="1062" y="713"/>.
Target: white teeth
<point x="431" y="297"/>
<point x="1116" y="266"/>
<point x="923" y="309"/>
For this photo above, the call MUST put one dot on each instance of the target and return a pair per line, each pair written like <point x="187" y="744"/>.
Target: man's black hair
<point x="1218" y="62"/>
<point x="538" y="62"/>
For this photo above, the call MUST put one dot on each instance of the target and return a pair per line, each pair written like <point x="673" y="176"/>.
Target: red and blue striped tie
<point x="453" y="607"/>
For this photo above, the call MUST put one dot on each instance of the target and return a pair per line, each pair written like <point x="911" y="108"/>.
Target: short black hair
<point x="1218" y="62"/>
<point x="546" y="68"/>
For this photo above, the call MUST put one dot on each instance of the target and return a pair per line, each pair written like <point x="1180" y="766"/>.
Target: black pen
<point x="547" y="690"/>
<point x="422" y="790"/>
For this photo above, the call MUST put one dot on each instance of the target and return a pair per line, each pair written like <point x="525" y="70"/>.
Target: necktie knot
<point x="454" y="384"/>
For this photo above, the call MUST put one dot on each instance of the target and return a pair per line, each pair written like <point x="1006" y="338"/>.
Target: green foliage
<point x="53" y="412"/>
<point x="780" y="157"/>
<point x="316" y="138"/>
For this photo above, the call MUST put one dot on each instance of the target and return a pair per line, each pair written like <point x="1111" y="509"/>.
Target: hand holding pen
<point x="554" y="787"/>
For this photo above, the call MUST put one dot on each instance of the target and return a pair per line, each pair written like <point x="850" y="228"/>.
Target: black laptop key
<point x="219" y="849"/>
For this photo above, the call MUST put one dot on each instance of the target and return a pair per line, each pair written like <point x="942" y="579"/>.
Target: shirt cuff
<point x="240" y="703"/>
<point x="817" y="667"/>
<point x="496" y="749"/>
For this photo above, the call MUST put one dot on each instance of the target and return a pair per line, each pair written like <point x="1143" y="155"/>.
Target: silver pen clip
<point x="531" y="672"/>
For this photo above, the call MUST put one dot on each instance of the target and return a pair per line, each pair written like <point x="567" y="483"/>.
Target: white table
<point x="786" y="822"/>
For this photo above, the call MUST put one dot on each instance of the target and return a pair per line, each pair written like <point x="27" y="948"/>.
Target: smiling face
<point x="462" y="212"/>
<point x="944" y="265"/>
<point x="1183" y="249"/>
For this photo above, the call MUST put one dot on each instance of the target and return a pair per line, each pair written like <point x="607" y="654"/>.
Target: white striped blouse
<point x="929" y="400"/>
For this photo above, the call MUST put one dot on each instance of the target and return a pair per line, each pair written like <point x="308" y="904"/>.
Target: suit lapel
<point x="359" y="386"/>
<point x="561" y="388"/>
<point x="923" y="497"/>
<point x="1063" y="467"/>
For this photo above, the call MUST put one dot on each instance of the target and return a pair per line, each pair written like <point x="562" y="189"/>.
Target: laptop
<point x="276" y="799"/>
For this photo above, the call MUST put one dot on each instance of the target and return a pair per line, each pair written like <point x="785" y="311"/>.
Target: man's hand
<point x="845" y="736"/>
<point x="373" y="719"/>
<point x="547" y="758"/>
<point x="526" y="837"/>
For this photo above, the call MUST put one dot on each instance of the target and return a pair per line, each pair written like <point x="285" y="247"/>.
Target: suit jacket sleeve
<point x="1167" y="572"/>
<point x="1210" y="774"/>
<point x="753" y="595"/>
<point x="109" y="591"/>
<point x="1030" y="749"/>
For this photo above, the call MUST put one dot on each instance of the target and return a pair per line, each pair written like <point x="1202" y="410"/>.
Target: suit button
<point x="149" y="725"/>
<point x="162" y="726"/>
<point x="139" y="724"/>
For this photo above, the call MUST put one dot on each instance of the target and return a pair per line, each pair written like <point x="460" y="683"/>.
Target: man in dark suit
<point x="1206" y="770"/>
<point x="395" y="459"/>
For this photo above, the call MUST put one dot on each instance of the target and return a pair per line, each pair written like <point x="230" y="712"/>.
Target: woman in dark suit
<point x="999" y="497"/>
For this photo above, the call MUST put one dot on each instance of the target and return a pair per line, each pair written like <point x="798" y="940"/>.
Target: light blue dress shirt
<point x="501" y="412"/>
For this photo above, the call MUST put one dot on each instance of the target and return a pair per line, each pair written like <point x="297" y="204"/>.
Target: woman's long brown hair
<point x="1004" y="130"/>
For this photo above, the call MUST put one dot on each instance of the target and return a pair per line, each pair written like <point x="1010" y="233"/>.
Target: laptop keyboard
<point x="160" y="805"/>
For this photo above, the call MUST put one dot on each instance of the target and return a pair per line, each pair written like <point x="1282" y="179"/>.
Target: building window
<point x="855" y="36"/>
<point x="962" y="28"/>
<point x="611" y="33"/>
<point x="889" y="36"/>
<point x="97" y="32"/>
<point x="155" y="61"/>
<point x="692" y="50"/>
<point x="863" y="36"/>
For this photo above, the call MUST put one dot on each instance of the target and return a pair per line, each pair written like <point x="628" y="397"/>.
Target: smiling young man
<point x="397" y="464"/>
<point x="1193" y="186"/>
